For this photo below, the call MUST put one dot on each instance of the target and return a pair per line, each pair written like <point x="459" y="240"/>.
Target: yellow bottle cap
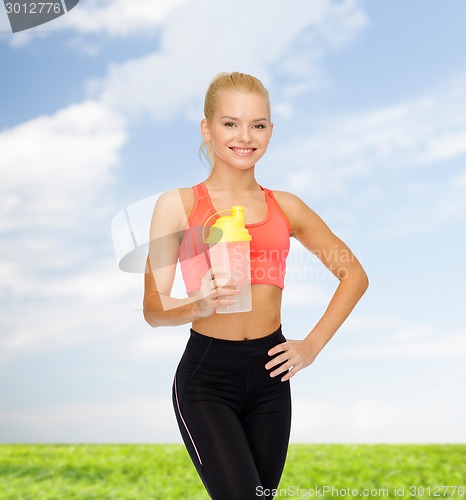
<point x="229" y="227"/>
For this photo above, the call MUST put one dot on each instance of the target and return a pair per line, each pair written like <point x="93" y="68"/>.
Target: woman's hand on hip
<point x="295" y="355"/>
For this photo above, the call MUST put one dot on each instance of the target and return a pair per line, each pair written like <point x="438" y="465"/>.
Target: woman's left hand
<point x="297" y="354"/>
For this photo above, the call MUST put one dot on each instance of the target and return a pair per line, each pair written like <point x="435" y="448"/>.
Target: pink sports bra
<point x="270" y="242"/>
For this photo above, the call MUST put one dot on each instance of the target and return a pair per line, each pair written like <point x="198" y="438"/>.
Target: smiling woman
<point x="231" y="390"/>
<point x="242" y="133"/>
<point x="221" y="87"/>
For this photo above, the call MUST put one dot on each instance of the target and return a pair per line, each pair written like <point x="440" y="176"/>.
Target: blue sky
<point x="100" y="109"/>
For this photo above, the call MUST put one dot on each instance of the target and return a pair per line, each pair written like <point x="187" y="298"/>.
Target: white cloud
<point x="54" y="167"/>
<point x="109" y="18"/>
<point x="449" y="204"/>
<point x="167" y="82"/>
<point x="58" y="284"/>
<point x="362" y="323"/>
<point x="164" y="341"/>
<point x="409" y="136"/>
<point x="62" y="288"/>
<point x="132" y="419"/>
<point x="119" y="18"/>
<point x="397" y="167"/>
<point x="376" y="420"/>
<point x="333" y="421"/>
<point x="334" y="25"/>
<point x="299" y="294"/>
<point x="99" y="282"/>
<point x="152" y="419"/>
<point x="72" y="307"/>
<point x="48" y="324"/>
<point x="411" y="342"/>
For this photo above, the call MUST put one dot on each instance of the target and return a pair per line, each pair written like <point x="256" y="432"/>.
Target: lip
<point x="237" y="152"/>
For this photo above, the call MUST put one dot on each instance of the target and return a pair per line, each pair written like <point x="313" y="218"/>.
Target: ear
<point x="271" y="130"/>
<point x="205" y="130"/>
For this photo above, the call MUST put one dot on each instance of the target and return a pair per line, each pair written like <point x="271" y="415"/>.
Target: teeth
<point x="243" y="151"/>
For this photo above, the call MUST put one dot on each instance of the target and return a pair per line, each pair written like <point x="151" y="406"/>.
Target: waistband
<point x="271" y="339"/>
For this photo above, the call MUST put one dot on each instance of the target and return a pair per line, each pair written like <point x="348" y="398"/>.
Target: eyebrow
<point x="253" y="121"/>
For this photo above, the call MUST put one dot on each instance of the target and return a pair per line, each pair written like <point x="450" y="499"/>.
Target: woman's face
<point x="240" y="130"/>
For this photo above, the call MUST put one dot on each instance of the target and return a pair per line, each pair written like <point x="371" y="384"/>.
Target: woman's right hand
<point x="212" y="295"/>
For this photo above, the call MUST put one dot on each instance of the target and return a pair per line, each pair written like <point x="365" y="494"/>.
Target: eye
<point x="260" y="126"/>
<point x="229" y="124"/>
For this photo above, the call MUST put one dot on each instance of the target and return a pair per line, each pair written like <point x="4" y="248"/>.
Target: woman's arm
<point x="162" y="310"/>
<point x="159" y="308"/>
<point x="308" y="228"/>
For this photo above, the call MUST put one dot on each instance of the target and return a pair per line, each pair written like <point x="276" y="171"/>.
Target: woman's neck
<point x="233" y="180"/>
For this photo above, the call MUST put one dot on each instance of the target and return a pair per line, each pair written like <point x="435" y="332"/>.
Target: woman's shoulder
<point x="287" y="200"/>
<point x="294" y="208"/>
<point x="172" y="197"/>
<point x="177" y="200"/>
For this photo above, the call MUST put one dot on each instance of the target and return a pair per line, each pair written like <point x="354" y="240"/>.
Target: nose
<point x="244" y="134"/>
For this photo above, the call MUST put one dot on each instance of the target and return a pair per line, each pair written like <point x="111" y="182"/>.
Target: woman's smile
<point x="244" y="152"/>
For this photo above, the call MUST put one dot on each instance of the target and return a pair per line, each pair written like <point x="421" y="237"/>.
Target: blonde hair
<point x="229" y="81"/>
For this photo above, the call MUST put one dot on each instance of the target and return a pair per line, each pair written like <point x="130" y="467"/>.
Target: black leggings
<point x="233" y="416"/>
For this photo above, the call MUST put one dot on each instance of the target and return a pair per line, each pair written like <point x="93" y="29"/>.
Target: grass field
<point x="165" y="472"/>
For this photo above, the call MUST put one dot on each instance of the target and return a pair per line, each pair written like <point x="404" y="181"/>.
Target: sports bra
<point x="269" y="246"/>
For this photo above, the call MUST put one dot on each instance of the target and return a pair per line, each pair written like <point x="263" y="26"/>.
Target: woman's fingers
<point x="226" y="295"/>
<point x="292" y="356"/>
<point x="207" y="284"/>
<point x="288" y="360"/>
<point x="213" y="295"/>
<point x="283" y="348"/>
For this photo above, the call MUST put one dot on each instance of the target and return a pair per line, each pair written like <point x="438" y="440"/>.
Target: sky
<point x="100" y="110"/>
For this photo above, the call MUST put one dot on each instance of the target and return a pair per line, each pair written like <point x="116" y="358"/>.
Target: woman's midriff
<point x="261" y="321"/>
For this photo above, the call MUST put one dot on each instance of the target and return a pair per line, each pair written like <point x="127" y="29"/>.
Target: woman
<point x="231" y="390"/>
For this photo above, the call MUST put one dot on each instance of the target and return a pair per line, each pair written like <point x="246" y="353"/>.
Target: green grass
<point x="152" y="472"/>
